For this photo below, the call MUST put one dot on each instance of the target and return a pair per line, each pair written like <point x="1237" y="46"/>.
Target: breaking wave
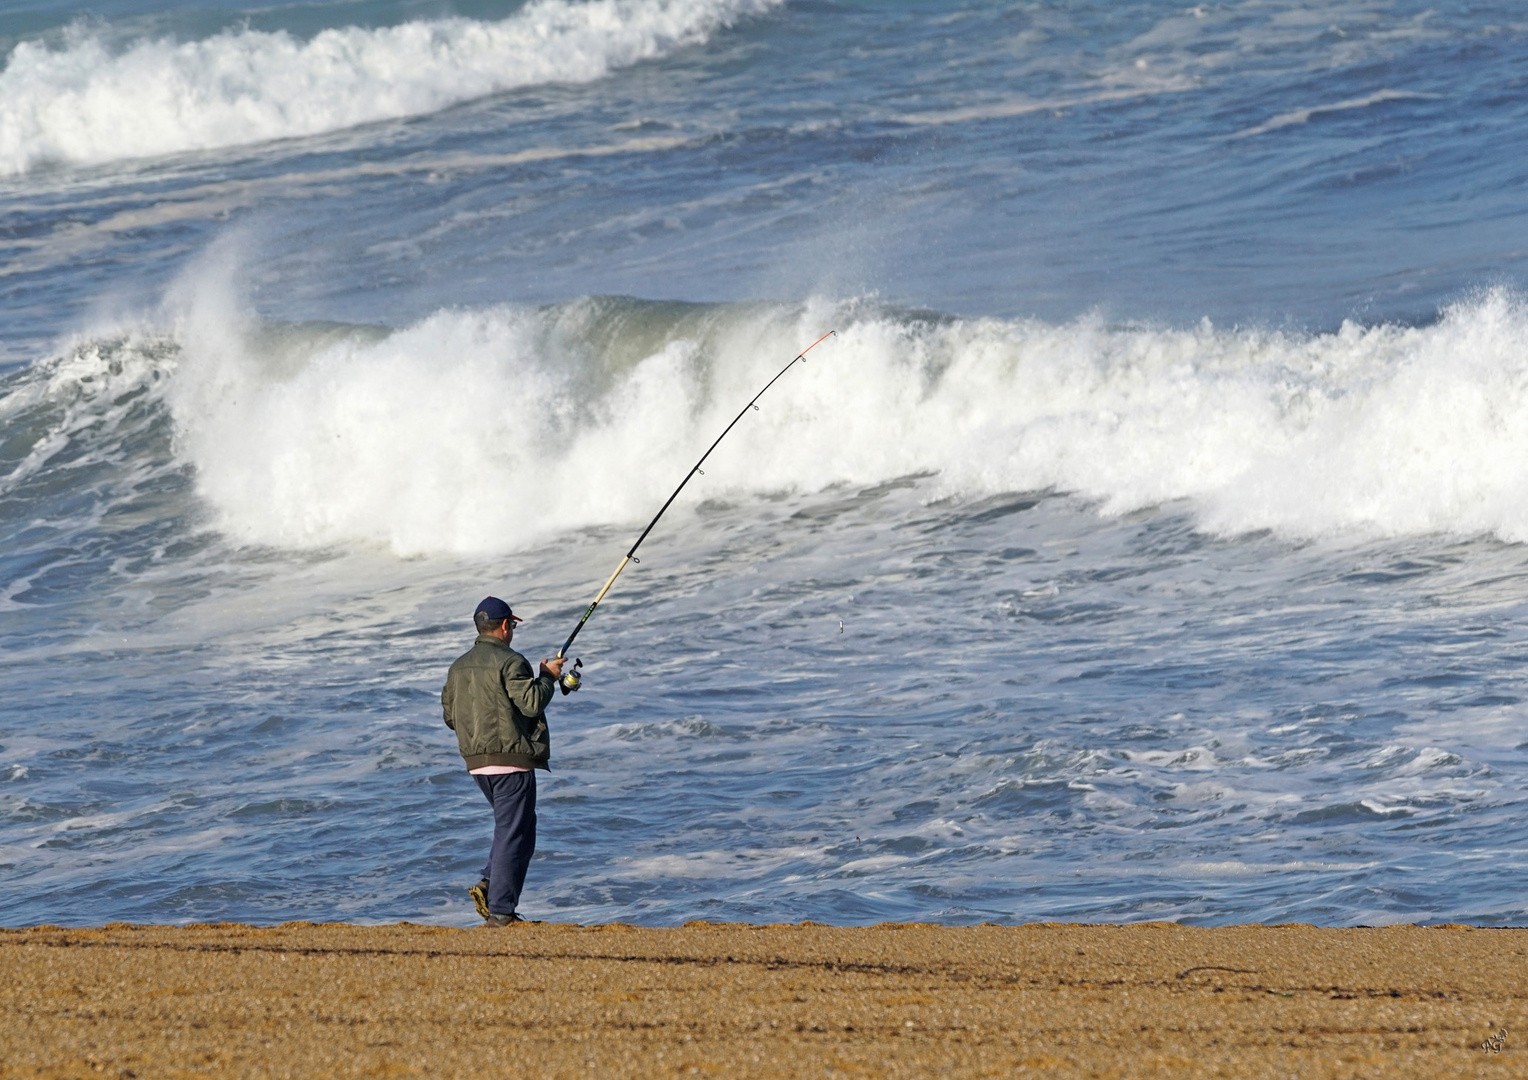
<point x="487" y="429"/>
<point x="85" y="103"/>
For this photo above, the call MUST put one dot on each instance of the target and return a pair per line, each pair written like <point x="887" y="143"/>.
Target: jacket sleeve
<point x="447" y="700"/>
<point x="529" y="695"/>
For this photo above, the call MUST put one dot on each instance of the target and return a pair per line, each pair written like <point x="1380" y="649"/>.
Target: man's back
<point x="496" y="707"/>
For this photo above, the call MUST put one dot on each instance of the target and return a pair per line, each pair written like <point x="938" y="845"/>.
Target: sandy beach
<point x="554" y="1000"/>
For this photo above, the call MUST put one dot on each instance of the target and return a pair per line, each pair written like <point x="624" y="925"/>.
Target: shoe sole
<point x="480" y="899"/>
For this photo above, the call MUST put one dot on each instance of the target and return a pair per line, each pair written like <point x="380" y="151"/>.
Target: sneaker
<point x="501" y="920"/>
<point x="479" y="894"/>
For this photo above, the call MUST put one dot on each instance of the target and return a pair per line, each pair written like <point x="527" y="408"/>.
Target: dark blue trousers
<point x="513" y="798"/>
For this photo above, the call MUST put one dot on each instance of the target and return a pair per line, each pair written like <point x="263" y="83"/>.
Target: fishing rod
<point x="571" y="681"/>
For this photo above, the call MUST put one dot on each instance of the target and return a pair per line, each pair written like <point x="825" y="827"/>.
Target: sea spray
<point x="451" y="434"/>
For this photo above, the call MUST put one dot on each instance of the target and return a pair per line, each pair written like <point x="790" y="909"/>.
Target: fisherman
<point x="498" y="713"/>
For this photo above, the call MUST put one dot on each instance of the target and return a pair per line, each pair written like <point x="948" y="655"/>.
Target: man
<point x="497" y="711"/>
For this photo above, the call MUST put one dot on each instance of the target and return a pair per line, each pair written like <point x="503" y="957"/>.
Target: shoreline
<point x="914" y="1000"/>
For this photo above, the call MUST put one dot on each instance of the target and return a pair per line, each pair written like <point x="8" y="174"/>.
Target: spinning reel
<point x="571" y="680"/>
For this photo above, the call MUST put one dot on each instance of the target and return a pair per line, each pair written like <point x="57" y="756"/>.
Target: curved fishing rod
<point x="570" y="681"/>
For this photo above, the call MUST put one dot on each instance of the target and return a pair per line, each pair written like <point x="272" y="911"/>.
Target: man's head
<point x="494" y="618"/>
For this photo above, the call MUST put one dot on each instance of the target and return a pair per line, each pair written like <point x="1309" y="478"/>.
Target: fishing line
<point x="571" y="680"/>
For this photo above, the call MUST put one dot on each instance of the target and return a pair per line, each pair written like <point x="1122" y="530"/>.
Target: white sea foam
<point x="712" y="865"/>
<point x="489" y="429"/>
<point x="86" y="103"/>
<point x="1301" y="116"/>
<point x="1002" y="110"/>
<point x="1237" y="868"/>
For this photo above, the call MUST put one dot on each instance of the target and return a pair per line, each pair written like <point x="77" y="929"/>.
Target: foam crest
<point x="86" y="406"/>
<point x="483" y="430"/>
<point x="85" y="103"/>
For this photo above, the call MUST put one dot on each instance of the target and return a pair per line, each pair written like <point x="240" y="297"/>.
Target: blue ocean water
<point x="1147" y="544"/>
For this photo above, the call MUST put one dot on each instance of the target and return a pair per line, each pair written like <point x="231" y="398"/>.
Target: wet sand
<point x="1153" y="1000"/>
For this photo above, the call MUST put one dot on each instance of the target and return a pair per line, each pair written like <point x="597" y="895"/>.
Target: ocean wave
<point x="85" y="103"/>
<point x="1303" y="116"/>
<point x="485" y="430"/>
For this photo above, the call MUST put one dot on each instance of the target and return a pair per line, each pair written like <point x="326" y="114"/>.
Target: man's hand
<point x="553" y="667"/>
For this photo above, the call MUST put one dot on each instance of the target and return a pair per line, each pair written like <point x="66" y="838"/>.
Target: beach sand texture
<point x="554" y="1000"/>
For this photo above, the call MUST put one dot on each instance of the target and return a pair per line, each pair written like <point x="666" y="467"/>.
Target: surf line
<point x="571" y="680"/>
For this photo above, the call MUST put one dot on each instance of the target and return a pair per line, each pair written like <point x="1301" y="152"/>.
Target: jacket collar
<point x="489" y="639"/>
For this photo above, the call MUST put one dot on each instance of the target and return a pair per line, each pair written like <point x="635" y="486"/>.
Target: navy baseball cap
<point x="496" y="609"/>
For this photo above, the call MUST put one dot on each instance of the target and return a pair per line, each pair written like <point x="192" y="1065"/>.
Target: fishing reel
<point x="571" y="680"/>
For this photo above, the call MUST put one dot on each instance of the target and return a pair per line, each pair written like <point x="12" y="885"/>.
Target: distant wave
<point x="456" y="433"/>
<point x="1002" y="110"/>
<point x="85" y="104"/>
<point x="1302" y="116"/>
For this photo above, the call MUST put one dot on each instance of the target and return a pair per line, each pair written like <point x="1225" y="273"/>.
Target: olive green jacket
<point x="497" y="708"/>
